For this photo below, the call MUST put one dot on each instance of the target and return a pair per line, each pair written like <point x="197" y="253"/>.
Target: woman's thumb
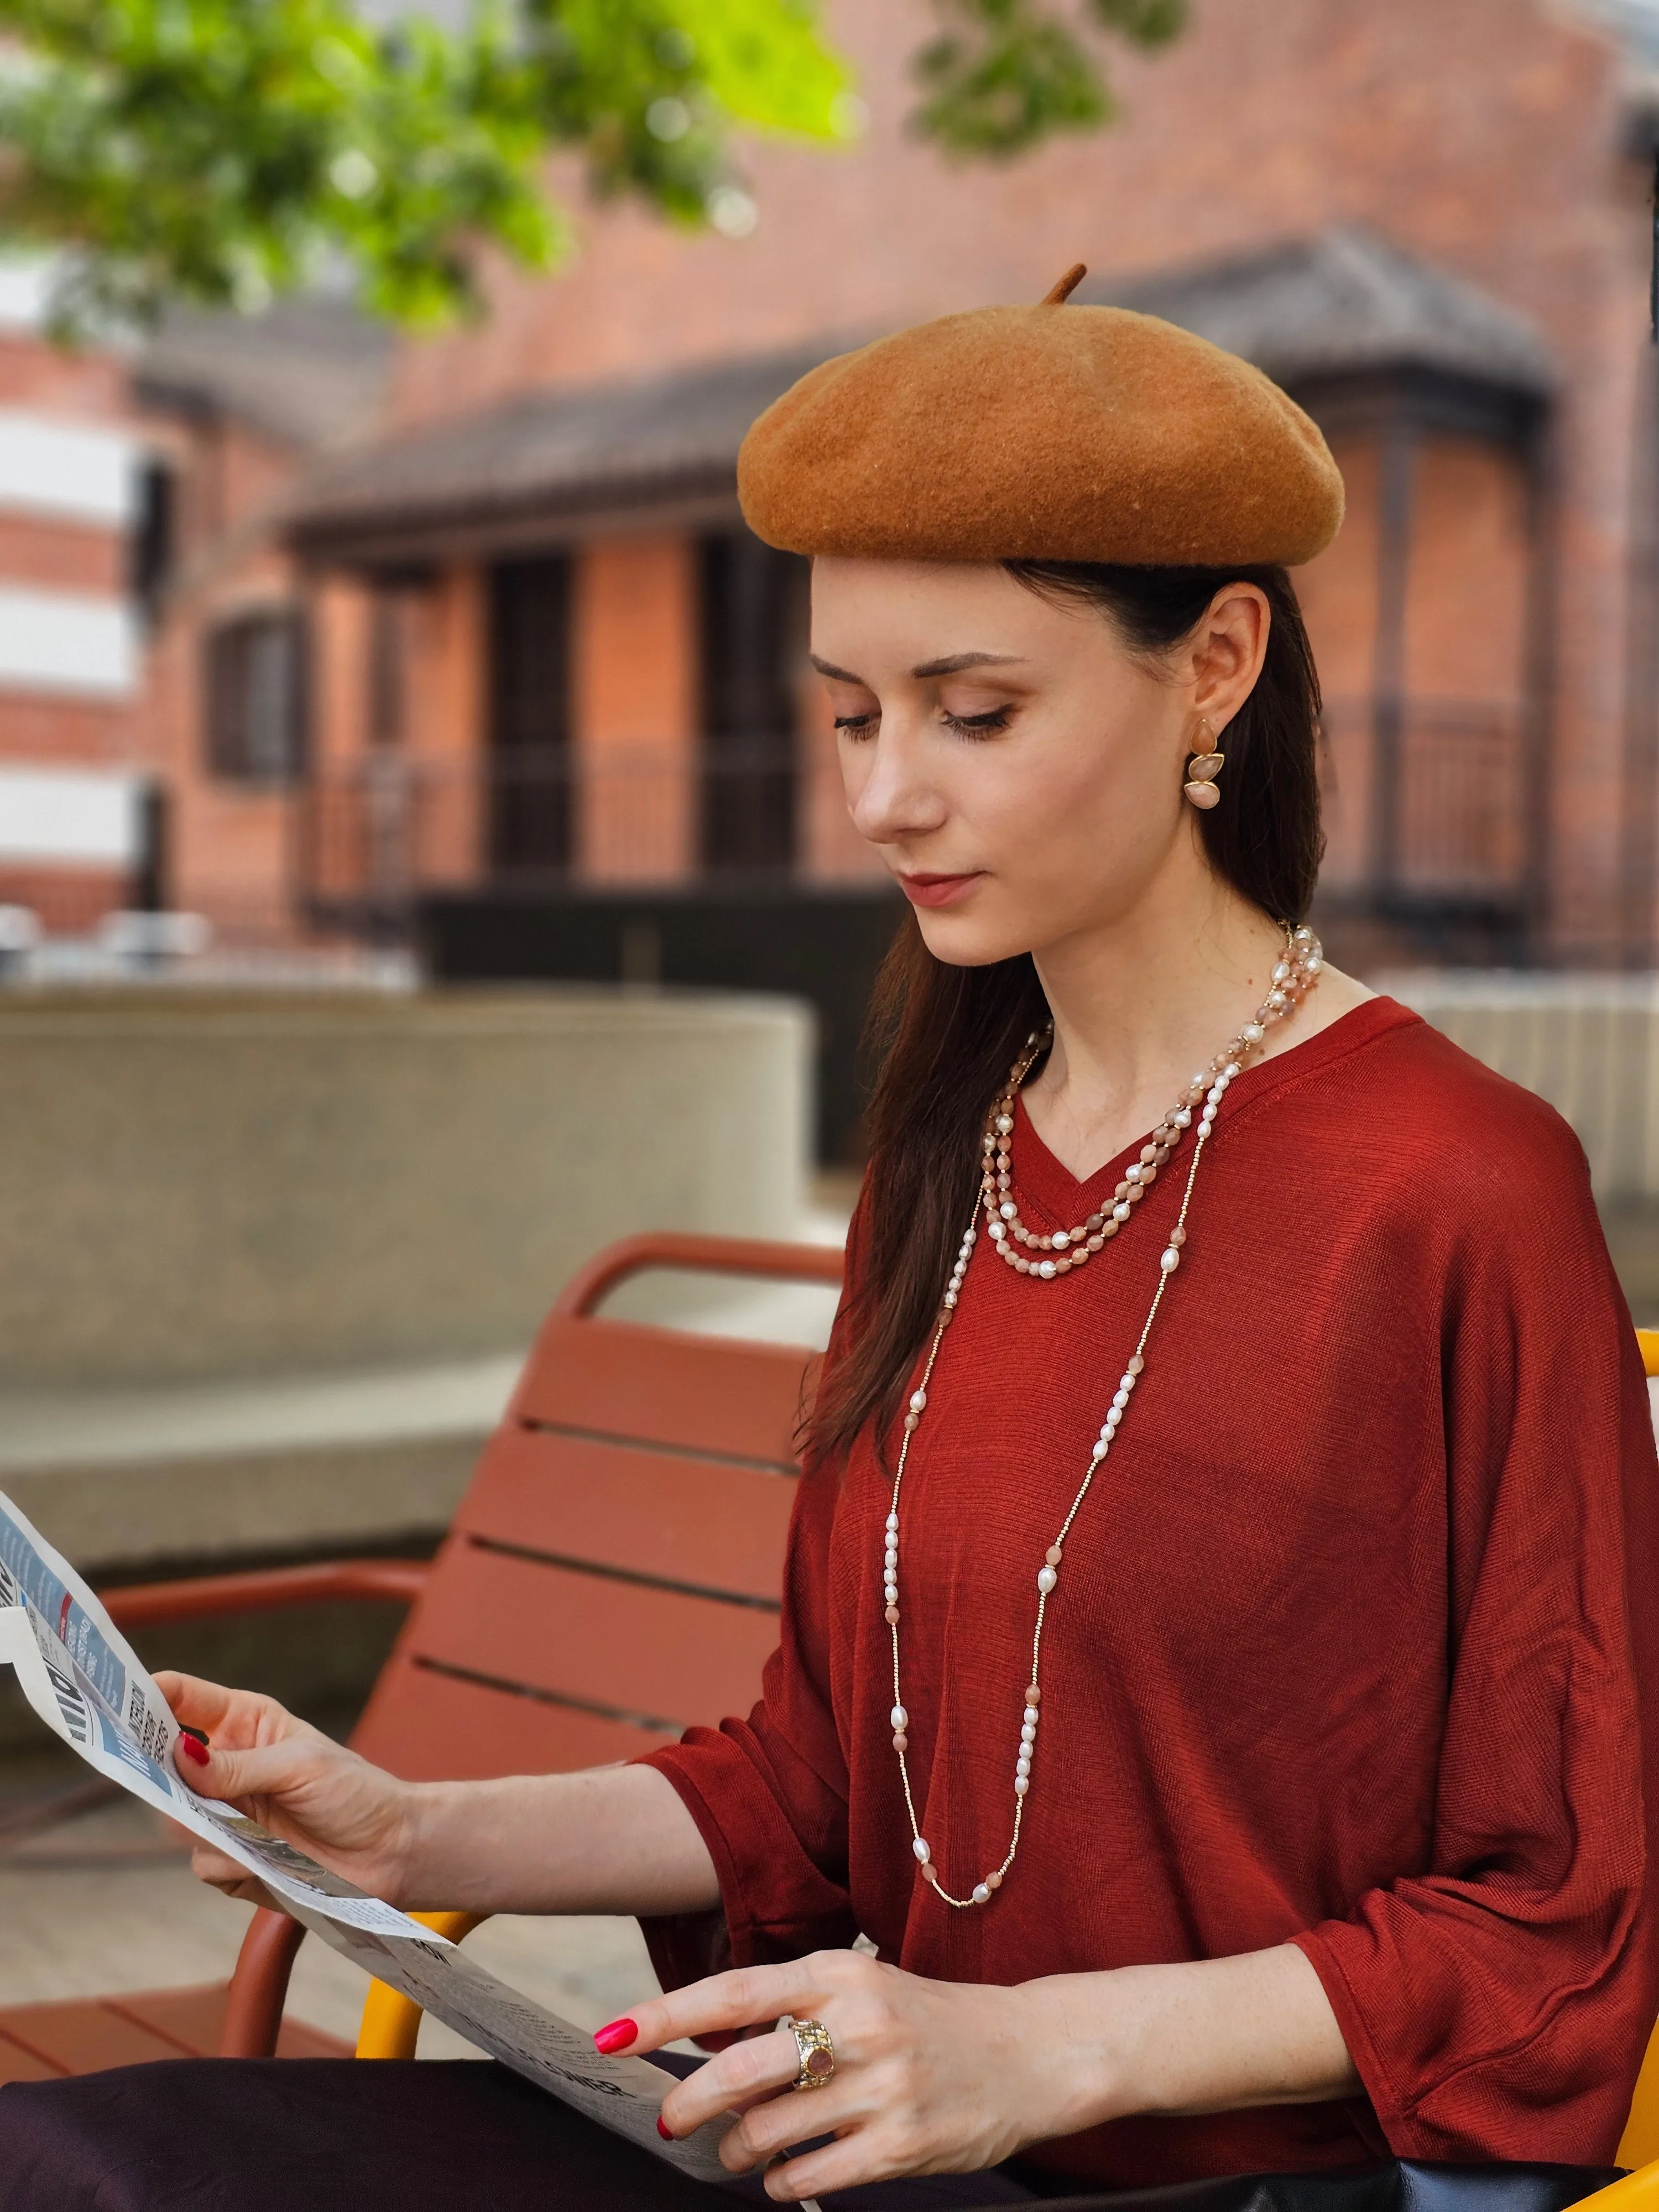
<point x="211" y="1773"/>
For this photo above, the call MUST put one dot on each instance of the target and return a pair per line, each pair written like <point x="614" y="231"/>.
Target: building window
<point x="754" y="624"/>
<point x="256" y="697"/>
<point x="152" y="547"/>
<point x="531" y="817"/>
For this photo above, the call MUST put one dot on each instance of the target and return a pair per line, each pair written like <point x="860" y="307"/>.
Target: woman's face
<point x="1017" y="769"/>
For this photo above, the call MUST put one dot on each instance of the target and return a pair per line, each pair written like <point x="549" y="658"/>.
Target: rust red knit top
<point x="1357" y="1642"/>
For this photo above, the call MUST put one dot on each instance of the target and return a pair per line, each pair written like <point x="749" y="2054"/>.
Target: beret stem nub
<point x="1068" y="284"/>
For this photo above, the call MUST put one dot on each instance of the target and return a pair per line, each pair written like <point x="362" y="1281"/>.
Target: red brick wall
<point x="1485" y="137"/>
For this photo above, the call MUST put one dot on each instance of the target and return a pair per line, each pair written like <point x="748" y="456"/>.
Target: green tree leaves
<point x="225" y="150"/>
<point x="1004" y="75"/>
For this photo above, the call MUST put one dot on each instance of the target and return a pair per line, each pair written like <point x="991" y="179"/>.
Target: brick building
<point x="535" y="666"/>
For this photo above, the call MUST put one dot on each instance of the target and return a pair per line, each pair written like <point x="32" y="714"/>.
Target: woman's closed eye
<point x="987" y="724"/>
<point x="859" y="726"/>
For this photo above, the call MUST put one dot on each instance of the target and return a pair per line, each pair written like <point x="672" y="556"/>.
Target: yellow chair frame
<point x="391" y="2023"/>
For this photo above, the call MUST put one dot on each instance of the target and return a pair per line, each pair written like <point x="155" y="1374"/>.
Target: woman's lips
<point x="937" y="891"/>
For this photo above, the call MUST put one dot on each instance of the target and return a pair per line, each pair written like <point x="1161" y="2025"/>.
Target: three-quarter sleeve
<point x="1501" y="1999"/>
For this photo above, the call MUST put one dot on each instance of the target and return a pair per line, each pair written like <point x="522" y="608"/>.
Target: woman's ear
<point x="1228" y="649"/>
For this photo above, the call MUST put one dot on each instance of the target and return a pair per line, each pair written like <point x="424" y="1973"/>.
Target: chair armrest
<point x="1637" y="2192"/>
<point x="390" y="2021"/>
<point x="258" y="1988"/>
<point x="200" y="1597"/>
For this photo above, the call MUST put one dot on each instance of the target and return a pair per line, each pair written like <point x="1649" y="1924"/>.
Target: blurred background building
<point x="463" y="643"/>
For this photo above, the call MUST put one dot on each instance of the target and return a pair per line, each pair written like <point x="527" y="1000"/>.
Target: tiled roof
<point x="309" y="372"/>
<point x="555" y="451"/>
<point x="1344" y="302"/>
<point x="1341" y="303"/>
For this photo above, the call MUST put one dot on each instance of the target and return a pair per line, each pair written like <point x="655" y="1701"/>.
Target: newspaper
<point x="86" y="1683"/>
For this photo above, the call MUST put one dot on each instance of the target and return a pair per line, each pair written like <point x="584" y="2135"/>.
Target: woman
<point x="1217" y="1624"/>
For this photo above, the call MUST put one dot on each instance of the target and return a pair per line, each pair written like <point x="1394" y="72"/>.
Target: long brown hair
<point x="944" y="1038"/>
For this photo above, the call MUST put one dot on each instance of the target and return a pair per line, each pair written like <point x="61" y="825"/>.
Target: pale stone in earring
<point x="1202" y="795"/>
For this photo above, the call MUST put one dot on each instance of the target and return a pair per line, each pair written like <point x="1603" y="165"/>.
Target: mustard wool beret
<point x="1051" y="433"/>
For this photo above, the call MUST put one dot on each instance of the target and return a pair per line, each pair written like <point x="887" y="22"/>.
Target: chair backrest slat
<point x="642" y="1509"/>
<point x="613" y="1573"/>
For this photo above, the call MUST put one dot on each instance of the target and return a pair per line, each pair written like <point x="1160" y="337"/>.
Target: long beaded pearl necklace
<point x="1293" y="976"/>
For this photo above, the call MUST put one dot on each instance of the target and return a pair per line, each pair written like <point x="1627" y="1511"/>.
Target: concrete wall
<point x="195" y="1187"/>
<point x="1589" y="1044"/>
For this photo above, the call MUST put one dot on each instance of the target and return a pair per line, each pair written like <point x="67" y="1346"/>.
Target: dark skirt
<point x="327" y="2135"/>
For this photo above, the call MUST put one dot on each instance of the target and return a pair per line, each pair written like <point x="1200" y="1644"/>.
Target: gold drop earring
<point x="1203" y="769"/>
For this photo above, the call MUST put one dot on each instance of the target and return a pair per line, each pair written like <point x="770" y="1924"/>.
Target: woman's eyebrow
<point x="952" y="664"/>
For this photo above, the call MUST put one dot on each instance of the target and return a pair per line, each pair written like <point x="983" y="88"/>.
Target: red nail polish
<point x="616" y="2035"/>
<point x="667" y="2134"/>
<point x="193" y="1747"/>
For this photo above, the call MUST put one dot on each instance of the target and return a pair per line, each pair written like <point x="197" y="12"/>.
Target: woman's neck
<point x="1141" y="1004"/>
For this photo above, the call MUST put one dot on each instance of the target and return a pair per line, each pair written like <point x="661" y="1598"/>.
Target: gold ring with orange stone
<point x="818" y="2053"/>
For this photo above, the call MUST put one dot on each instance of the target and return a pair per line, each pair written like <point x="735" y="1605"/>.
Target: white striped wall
<point x="69" y="818"/>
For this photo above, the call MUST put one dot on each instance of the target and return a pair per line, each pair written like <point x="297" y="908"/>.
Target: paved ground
<point x="105" y="1903"/>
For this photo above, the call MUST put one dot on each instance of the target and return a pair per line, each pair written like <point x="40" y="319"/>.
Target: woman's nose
<point x="893" y="800"/>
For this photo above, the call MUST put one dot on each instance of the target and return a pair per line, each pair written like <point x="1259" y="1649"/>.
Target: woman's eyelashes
<point x="977" y="725"/>
<point x="989" y="724"/>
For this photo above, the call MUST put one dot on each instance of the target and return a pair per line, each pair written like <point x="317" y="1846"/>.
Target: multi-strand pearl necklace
<point x="1293" y="977"/>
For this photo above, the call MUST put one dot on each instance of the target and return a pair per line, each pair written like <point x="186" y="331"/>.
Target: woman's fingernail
<point x="615" y="2035"/>
<point x="666" y="2133"/>
<point x="193" y="1747"/>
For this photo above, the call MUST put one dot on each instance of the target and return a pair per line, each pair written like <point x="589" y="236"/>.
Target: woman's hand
<point x="930" y="2077"/>
<point x="295" y="1781"/>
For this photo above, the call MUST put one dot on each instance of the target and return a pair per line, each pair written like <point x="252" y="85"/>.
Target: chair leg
<point x="258" y="1988"/>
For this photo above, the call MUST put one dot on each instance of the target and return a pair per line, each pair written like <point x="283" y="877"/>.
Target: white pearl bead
<point x="1312" y="965"/>
<point x="1122" y="1210"/>
<point x="899" y="1717"/>
<point x="1251" y="1033"/>
<point x="1004" y="1123"/>
<point x="1119" y="1397"/>
<point x="1132" y="1174"/>
<point x="998" y="1232"/>
<point x="1028" y="1733"/>
<point x="918" y="1401"/>
<point x="1022" y="1764"/>
<point x="1046" y="1269"/>
<point x="970" y="1236"/>
<point x="892" y="1521"/>
<point x="1215" y="1093"/>
<point x="1008" y="1209"/>
<point x="1129" y="1378"/>
<point x="1182" y="1117"/>
<point x="1171" y="1260"/>
<point x="1022" y="1784"/>
<point x="981" y="1895"/>
<point x="1031" y="1716"/>
<point x="1062" y="1239"/>
<point x="1230" y="1071"/>
<point x="922" y="1849"/>
<point x="1281" y="971"/>
<point x="1206" y="1119"/>
<point x="950" y="1297"/>
<point x="1112" y="1420"/>
<point x="1046" y="1579"/>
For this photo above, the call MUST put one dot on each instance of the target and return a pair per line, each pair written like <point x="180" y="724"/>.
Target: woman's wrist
<point x="1082" y="2040"/>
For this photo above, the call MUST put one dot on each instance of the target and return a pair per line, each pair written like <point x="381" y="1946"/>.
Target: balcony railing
<point x="378" y="832"/>
<point x="1428" y="802"/>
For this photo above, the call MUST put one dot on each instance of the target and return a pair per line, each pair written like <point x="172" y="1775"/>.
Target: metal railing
<point x="1431" y="800"/>
<point x="381" y="829"/>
